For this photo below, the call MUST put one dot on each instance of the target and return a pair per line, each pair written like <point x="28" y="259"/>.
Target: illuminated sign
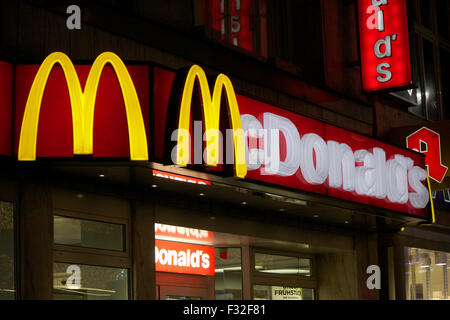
<point x="384" y="44"/>
<point x="428" y="142"/>
<point x="291" y="150"/>
<point x="182" y="234"/>
<point x="240" y="28"/>
<point x="298" y="152"/>
<point x="180" y="178"/>
<point x="81" y="102"/>
<point x="179" y="257"/>
<point x="211" y="116"/>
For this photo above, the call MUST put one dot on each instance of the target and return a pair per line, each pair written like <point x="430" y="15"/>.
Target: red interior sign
<point x="184" y="258"/>
<point x="384" y="43"/>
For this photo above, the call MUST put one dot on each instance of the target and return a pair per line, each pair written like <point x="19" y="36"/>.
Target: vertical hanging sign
<point x="240" y="27"/>
<point x="384" y="44"/>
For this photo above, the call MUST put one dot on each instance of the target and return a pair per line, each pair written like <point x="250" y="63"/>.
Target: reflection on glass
<point x="82" y="282"/>
<point x="426" y="274"/>
<point x="269" y="263"/>
<point x="7" y="286"/>
<point x="430" y="85"/>
<point x="235" y="25"/>
<point x="261" y="292"/>
<point x="413" y="96"/>
<point x="88" y="234"/>
<point x="228" y="277"/>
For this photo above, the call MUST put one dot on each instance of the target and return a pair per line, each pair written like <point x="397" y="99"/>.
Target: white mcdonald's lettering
<point x="182" y="258"/>
<point x="365" y="172"/>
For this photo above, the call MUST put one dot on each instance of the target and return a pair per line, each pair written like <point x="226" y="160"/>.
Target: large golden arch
<point x="83" y="105"/>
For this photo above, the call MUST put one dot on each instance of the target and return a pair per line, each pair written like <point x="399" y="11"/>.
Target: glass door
<point x="176" y="286"/>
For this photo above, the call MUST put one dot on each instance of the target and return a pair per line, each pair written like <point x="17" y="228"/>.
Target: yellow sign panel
<point x="82" y="105"/>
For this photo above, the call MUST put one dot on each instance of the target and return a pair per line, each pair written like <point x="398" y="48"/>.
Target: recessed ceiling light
<point x="154" y="186"/>
<point x="346" y="222"/>
<point x="316" y="216"/>
<point x="101" y="175"/>
<point x="202" y="194"/>
<point x="282" y="210"/>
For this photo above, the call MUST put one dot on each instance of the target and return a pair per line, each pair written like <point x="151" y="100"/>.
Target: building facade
<point x="103" y="224"/>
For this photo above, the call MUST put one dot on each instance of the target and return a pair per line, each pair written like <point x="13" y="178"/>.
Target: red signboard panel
<point x="55" y="134"/>
<point x="185" y="258"/>
<point x="384" y="44"/>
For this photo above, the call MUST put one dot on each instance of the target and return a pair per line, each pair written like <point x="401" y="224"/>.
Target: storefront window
<point x="83" y="282"/>
<point x="7" y="279"/>
<point x="442" y="12"/>
<point x="426" y="274"/>
<point x="228" y="277"/>
<point x="269" y="263"/>
<point x="261" y="292"/>
<point x="88" y="234"/>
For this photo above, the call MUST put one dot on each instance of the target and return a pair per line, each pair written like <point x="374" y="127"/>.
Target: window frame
<point x="258" y="22"/>
<point x="97" y="257"/>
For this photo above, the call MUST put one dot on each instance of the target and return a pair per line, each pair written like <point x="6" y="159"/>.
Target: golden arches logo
<point x="211" y="115"/>
<point x="83" y="105"/>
